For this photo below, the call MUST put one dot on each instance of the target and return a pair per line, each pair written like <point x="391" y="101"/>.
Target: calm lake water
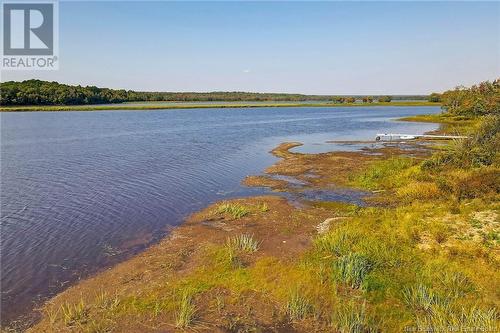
<point x="83" y="190"/>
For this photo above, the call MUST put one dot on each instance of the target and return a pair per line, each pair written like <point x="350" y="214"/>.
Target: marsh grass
<point x="298" y="306"/>
<point x="422" y="298"/>
<point x="52" y="314"/>
<point x="237" y="211"/>
<point x="444" y="319"/>
<point x="186" y="310"/>
<point x="104" y="301"/>
<point x="338" y="242"/>
<point x="419" y="191"/>
<point x="352" y="318"/>
<point x="457" y="284"/>
<point x="242" y="243"/>
<point x="74" y="314"/>
<point x="99" y="326"/>
<point x="264" y="207"/>
<point x="352" y="269"/>
<point x="384" y="174"/>
<point x="153" y="106"/>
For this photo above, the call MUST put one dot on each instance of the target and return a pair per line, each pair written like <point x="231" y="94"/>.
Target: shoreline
<point x="125" y="107"/>
<point x="210" y="225"/>
<point x="144" y="291"/>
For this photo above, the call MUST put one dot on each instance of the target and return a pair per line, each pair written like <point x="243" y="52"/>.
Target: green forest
<point x="37" y="92"/>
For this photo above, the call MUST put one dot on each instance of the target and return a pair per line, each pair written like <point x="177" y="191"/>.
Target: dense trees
<point x="37" y="92"/>
<point x="434" y="97"/>
<point x="482" y="148"/>
<point x="384" y="99"/>
<point x="342" y="99"/>
<point x="478" y="100"/>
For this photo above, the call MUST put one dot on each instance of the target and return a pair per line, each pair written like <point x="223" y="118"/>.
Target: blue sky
<point x="315" y="48"/>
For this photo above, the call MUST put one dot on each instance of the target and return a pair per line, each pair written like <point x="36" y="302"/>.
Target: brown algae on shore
<point x="425" y="255"/>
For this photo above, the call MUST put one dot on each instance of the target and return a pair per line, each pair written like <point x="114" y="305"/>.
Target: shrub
<point x="477" y="183"/>
<point x="478" y="100"/>
<point x="480" y="149"/>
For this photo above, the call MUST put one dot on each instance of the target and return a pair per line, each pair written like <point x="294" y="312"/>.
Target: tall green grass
<point x="338" y="243"/>
<point x="352" y="318"/>
<point x="237" y="211"/>
<point x="422" y="298"/>
<point x="242" y="243"/>
<point x="74" y="314"/>
<point x="352" y="269"/>
<point x="443" y="319"/>
<point x="381" y="174"/>
<point x="298" y="306"/>
<point x="186" y="311"/>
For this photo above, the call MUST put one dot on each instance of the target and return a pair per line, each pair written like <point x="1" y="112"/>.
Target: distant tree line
<point x="478" y="100"/>
<point x="364" y="99"/>
<point x="342" y="100"/>
<point x="37" y="92"/>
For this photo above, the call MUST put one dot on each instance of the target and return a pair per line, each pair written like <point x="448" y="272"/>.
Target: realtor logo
<point x="29" y="35"/>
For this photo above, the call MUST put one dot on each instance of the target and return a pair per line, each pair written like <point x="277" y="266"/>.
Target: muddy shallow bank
<point x="313" y="195"/>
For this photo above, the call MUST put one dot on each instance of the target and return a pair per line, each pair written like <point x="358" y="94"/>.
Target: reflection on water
<point x="83" y="190"/>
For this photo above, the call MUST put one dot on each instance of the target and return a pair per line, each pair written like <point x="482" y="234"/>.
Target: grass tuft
<point x="264" y="207"/>
<point x="74" y="314"/>
<point x="298" y="306"/>
<point x="186" y="312"/>
<point x="338" y="243"/>
<point x="352" y="318"/>
<point x="352" y="269"/>
<point x="242" y="243"/>
<point x="442" y="319"/>
<point x="237" y="211"/>
<point x="422" y="298"/>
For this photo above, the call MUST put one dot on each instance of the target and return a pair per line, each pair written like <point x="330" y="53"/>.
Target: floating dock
<point x="403" y="137"/>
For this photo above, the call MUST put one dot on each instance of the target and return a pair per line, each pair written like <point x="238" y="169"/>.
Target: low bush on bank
<point x="482" y="148"/>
